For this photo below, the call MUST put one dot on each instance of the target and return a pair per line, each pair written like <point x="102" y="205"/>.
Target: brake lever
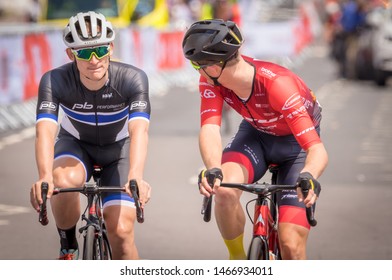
<point x="135" y="194"/>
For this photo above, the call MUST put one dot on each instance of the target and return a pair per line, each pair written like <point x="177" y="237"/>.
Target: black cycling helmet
<point x="212" y="40"/>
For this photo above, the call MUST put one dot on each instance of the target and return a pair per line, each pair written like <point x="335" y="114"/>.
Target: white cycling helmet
<point x="88" y="29"/>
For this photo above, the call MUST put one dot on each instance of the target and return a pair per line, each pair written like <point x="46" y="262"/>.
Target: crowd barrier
<point x="26" y="55"/>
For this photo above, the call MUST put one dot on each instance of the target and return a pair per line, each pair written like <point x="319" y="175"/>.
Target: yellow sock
<point x="236" y="248"/>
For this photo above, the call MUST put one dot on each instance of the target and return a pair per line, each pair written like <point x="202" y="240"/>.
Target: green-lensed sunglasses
<point x="87" y="53"/>
<point x="197" y="66"/>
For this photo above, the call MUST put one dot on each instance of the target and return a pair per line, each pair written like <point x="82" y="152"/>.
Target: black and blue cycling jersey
<point x="95" y="117"/>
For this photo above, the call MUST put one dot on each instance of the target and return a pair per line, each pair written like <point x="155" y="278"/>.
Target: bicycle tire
<point x="89" y="244"/>
<point x="106" y="250"/>
<point x="258" y="249"/>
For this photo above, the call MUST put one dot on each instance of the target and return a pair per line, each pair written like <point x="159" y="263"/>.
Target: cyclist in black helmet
<point x="104" y="103"/>
<point x="280" y="126"/>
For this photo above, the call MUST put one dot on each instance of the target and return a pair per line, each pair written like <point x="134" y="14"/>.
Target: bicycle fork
<point x="264" y="227"/>
<point x="90" y="215"/>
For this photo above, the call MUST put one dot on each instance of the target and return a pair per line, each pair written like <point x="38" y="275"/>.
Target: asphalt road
<point x="354" y="210"/>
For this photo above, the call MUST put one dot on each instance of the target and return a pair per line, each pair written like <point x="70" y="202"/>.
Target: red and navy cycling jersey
<point x="280" y="103"/>
<point x="97" y="117"/>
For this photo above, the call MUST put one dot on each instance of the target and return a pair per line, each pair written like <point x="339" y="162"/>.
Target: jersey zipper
<point x="96" y="118"/>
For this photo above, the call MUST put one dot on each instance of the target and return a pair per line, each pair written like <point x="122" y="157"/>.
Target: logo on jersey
<point x="265" y="106"/>
<point x="292" y="101"/>
<point x="209" y="94"/>
<point x="48" y="105"/>
<point x="229" y="100"/>
<point x="111" y="107"/>
<point x="305" y="131"/>
<point x="138" y="105"/>
<point x="85" y="106"/>
<point x="107" y="95"/>
<point x="268" y="73"/>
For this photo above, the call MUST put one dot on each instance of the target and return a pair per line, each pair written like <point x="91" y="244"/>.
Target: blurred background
<point x="342" y="50"/>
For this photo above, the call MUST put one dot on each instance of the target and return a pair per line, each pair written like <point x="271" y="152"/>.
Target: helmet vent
<point x="88" y="29"/>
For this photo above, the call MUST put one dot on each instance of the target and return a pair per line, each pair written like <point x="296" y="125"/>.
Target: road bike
<point x="96" y="244"/>
<point x="264" y="244"/>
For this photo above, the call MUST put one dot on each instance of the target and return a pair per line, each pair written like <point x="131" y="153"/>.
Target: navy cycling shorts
<point x="113" y="158"/>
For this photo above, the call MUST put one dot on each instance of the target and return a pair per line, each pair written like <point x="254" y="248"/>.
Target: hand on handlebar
<point x="143" y="191"/>
<point x="208" y="179"/>
<point x="308" y="189"/>
<point x="139" y="197"/>
<point x="35" y="193"/>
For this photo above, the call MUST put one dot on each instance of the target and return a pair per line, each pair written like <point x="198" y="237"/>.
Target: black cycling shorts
<point x="113" y="158"/>
<point x="256" y="151"/>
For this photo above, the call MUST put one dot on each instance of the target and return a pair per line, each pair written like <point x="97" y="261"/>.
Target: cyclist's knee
<point x="120" y="226"/>
<point x="68" y="172"/>
<point x="122" y="240"/>
<point x="234" y="173"/>
<point x="226" y="196"/>
<point x="292" y="250"/>
<point x="68" y="177"/>
<point x="293" y="241"/>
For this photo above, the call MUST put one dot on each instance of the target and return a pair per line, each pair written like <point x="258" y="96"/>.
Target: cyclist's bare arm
<point x="316" y="160"/>
<point x="138" y="131"/>
<point x="210" y="143"/>
<point x="315" y="164"/>
<point x="46" y="132"/>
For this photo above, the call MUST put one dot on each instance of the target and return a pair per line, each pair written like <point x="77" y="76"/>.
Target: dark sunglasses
<point x="87" y="53"/>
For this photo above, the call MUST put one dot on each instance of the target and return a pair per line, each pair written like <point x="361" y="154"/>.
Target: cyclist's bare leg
<point x="120" y="221"/>
<point x="229" y="213"/>
<point x="293" y="240"/>
<point x="67" y="173"/>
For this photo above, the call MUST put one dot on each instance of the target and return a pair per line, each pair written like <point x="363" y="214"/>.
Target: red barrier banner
<point x="38" y="61"/>
<point x="169" y="50"/>
<point x="24" y="58"/>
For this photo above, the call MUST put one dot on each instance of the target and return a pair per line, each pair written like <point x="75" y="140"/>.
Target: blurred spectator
<point x="34" y="11"/>
<point x="227" y="10"/>
<point x="353" y="15"/>
<point x="332" y="18"/>
<point x="180" y="13"/>
<point x="344" y="44"/>
<point x="16" y="11"/>
<point x="222" y="9"/>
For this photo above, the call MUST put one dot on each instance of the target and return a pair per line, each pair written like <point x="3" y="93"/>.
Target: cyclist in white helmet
<point x="104" y="103"/>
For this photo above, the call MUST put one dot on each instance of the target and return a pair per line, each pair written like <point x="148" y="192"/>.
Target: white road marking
<point x="4" y="222"/>
<point x="17" y="137"/>
<point x="6" y="210"/>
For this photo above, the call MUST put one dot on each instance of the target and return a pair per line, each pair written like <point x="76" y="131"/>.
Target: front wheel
<point x="106" y="251"/>
<point x="258" y="249"/>
<point x="89" y="244"/>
